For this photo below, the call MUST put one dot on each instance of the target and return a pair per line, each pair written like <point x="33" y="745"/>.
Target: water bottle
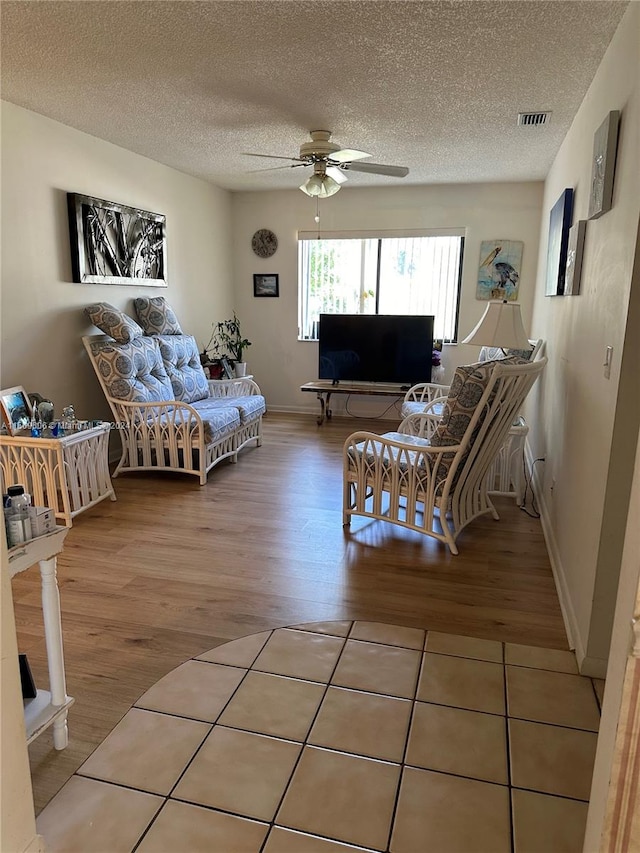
<point x="19" y="523"/>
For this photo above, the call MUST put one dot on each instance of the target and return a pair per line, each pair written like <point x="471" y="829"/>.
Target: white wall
<point x="279" y="361"/>
<point x="42" y="318"/>
<point x="17" y="818"/>
<point x="580" y="411"/>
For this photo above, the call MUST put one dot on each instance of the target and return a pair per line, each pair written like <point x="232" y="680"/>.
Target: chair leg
<point x="494" y="511"/>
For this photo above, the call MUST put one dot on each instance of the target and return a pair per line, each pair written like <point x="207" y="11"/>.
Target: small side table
<point x="505" y="474"/>
<point x="49" y="706"/>
<point x="68" y="474"/>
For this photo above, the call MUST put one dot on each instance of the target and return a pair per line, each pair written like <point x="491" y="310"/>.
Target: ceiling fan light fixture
<point x="321" y="186"/>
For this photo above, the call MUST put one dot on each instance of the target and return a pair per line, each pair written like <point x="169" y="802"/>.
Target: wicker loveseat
<point x="169" y="416"/>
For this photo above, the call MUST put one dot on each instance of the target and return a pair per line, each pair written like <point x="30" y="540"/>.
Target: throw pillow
<point x="468" y="386"/>
<point x="118" y="325"/>
<point x="156" y="316"/>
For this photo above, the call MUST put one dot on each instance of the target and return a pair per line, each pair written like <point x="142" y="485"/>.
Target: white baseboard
<point x="562" y="587"/>
<point x="315" y="411"/>
<point x="36" y="845"/>
<point x="593" y="667"/>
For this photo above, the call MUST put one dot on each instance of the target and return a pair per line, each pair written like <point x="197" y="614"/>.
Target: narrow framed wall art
<point x="575" y="249"/>
<point x="559" y="224"/>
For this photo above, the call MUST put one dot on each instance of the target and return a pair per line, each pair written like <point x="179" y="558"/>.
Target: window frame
<point x="380" y="235"/>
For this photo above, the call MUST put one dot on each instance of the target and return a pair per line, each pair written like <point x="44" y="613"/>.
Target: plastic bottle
<point x="19" y="523"/>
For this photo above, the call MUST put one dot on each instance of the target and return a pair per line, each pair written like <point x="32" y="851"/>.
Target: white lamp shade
<point x="500" y="326"/>
<point x="320" y="185"/>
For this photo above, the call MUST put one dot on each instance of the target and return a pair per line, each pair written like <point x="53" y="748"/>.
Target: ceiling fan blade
<point x="345" y="155"/>
<point x="337" y="174"/>
<point x="275" y="168"/>
<point x="378" y="169"/>
<point x="271" y="156"/>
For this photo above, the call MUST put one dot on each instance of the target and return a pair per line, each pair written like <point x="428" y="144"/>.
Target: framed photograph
<point x="17" y="413"/>
<point x="559" y="224"/>
<point x="227" y="370"/>
<point x="499" y="272"/>
<point x="574" y="258"/>
<point x="603" y="165"/>
<point x="115" y="244"/>
<point x="266" y="285"/>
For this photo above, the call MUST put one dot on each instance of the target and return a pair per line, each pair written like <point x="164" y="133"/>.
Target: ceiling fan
<point x="330" y="162"/>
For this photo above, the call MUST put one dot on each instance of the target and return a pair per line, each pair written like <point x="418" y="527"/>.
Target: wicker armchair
<point x="437" y="485"/>
<point x="505" y="475"/>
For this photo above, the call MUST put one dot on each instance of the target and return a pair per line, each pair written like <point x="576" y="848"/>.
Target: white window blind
<point x="354" y="274"/>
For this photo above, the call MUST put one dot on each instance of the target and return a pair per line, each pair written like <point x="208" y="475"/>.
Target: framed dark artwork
<point x="559" y="224"/>
<point x="575" y="247"/>
<point x="115" y="244"/>
<point x="266" y="285"/>
<point x="603" y="165"/>
<point x="16" y="409"/>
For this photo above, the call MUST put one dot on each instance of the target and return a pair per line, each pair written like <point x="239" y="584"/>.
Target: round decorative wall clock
<point x="264" y="243"/>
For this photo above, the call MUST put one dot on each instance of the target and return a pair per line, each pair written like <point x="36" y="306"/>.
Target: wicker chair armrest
<point x="419" y="424"/>
<point x="425" y="390"/>
<point x="178" y="413"/>
<point x="413" y="444"/>
<point x="233" y="387"/>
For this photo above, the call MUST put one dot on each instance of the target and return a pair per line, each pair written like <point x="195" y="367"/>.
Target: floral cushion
<point x="468" y="386"/>
<point x="497" y="354"/>
<point x="156" y="316"/>
<point x="218" y="417"/>
<point x="249" y="407"/>
<point x="181" y="361"/>
<point x="118" y="325"/>
<point x="412" y="407"/>
<point x="133" y="372"/>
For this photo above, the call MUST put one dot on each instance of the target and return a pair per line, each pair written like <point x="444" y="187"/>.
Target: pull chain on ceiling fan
<point x="330" y="162"/>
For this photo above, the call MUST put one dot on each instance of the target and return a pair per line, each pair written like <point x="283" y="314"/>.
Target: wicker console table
<point x="324" y="388"/>
<point x="49" y="706"/>
<point x="69" y="473"/>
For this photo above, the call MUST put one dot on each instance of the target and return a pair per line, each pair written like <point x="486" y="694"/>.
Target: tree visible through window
<point x="385" y="275"/>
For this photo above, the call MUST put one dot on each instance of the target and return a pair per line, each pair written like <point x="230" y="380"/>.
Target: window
<point x="353" y="274"/>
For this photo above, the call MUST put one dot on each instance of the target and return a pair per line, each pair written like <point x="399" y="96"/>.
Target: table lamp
<point x="500" y="326"/>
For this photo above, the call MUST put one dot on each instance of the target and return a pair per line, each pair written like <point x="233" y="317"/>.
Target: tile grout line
<point x="507" y="739"/>
<point x="403" y="765"/>
<point x="305" y="742"/>
<point x="212" y="726"/>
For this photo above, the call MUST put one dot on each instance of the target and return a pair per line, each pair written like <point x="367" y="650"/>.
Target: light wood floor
<point x="172" y="569"/>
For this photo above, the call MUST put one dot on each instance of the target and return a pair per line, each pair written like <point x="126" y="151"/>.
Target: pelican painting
<point x="499" y="273"/>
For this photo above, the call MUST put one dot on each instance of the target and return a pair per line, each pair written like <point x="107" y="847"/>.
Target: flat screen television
<point x="394" y="348"/>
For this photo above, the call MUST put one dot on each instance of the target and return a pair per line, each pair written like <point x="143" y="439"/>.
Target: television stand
<point x="324" y="388"/>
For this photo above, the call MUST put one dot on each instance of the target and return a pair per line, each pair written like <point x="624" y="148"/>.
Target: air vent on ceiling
<point x="533" y="119"/>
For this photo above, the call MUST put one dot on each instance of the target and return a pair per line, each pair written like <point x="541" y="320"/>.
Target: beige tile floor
<point x="343" y="736"/>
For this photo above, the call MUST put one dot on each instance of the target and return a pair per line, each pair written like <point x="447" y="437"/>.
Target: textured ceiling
<point x="435" y="86"/>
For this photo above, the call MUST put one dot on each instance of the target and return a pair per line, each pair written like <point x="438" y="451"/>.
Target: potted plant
<point x="228" y="341"/>
<point x="210" y="357"/>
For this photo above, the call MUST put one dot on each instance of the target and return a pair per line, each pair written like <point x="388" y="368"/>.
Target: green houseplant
<point x="226" y="341"/>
